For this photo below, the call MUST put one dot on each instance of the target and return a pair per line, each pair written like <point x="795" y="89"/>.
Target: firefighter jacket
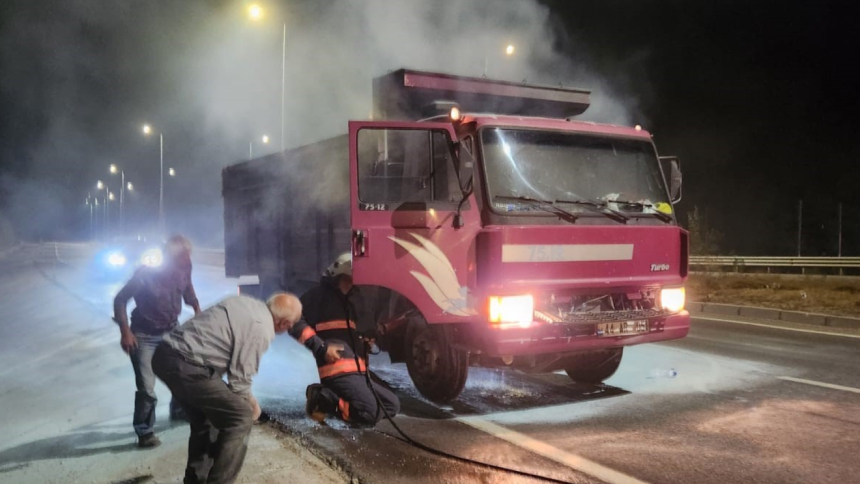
<point x="325" y="312"/>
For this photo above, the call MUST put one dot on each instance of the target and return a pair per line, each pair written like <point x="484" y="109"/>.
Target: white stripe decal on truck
<point x="566" y="253"/>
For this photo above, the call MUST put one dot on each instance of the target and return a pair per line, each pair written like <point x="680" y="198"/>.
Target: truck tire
<point x="593" y="367"/>
<point x="438" y="370"/>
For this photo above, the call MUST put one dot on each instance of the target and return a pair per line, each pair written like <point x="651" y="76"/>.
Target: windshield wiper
<point x="662" y="216"/>
<point x="599" y="207"/>
<point x="545" y="203"/>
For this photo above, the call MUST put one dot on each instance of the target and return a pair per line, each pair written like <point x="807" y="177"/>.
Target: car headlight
<point x="512" y="311"/>
<point x="152" y="258"/>
<point x="116" y="259"/>
<point x="673" y="298"/>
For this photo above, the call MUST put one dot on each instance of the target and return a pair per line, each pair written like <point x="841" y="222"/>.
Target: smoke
<point x="83" y="76"/>
<point x="334" y="49"/>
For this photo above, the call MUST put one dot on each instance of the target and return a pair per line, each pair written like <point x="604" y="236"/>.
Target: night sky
<point x="758" y="98"/>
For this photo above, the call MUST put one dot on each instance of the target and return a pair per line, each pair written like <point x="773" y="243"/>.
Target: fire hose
<point x="404" y="437"/>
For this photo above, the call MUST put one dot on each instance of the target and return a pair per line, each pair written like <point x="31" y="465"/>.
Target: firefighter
<point x="328" y="329"/>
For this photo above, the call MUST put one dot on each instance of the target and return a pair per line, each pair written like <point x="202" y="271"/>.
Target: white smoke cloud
<point x="335" y="48"/>
<point x="211" y="80"/>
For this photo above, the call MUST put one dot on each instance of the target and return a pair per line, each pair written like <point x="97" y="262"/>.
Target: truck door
<point x="405" y="194"/>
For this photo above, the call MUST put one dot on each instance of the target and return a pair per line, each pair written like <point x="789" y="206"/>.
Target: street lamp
<point x="171" y="172"/>
<point x="509" y="51"/>
<point x="264" y="139"/>
<point x="129" y="187"/>
<point x="255" y="13"/>
<point x="147" y="129"/>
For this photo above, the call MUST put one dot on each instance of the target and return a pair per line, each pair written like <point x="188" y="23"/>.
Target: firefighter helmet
<point x="342" y="266"/>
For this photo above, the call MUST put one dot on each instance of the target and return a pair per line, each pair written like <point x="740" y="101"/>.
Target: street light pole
<point x="839" y="251"/>
<point x="121" y="204"/>
<point x="799" y="225"/>
<point x="90" y="204"/>
<point x="105" y="228"/>
<point x="283" y="82"/>
<point x="255" y="13"/>
<point x="161" y="183"/>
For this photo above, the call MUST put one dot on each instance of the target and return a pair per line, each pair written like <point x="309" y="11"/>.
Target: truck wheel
<point x="438" y="371"/>
<point x="593" y="367"/>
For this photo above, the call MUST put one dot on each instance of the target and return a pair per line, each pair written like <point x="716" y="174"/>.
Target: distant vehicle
<point x="119" y="258"/>
<point x="488" y="226"/>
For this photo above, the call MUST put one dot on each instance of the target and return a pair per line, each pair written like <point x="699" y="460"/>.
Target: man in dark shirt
<point x="158" y="293"/>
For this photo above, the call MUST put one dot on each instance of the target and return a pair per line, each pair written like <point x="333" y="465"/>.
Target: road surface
<point x="750" y="403"/>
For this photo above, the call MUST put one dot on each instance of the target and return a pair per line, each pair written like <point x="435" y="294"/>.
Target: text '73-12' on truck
<point x="486" y="226"/>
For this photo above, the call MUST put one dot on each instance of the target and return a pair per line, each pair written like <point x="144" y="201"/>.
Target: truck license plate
<point x="622" y="328"/>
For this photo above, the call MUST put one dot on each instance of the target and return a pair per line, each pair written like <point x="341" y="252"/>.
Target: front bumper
<point x="566" y="337"/>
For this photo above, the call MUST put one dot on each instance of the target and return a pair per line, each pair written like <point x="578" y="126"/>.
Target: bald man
<point x="226" y="339"/>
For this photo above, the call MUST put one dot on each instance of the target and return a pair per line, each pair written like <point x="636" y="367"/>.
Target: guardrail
<point x="740" y="264"/>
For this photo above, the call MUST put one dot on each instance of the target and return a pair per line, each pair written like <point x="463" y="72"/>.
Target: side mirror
<point x="672" y="171"/>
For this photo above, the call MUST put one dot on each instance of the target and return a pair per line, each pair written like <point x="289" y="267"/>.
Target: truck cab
<point x="489" y="228"/>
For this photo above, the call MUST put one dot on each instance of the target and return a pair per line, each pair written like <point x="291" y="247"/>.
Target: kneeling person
<point x="328" y="330"/>
<point x="228" y="338"/>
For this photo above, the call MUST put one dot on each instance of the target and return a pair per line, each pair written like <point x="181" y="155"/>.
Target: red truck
<point x="486" y="226"/>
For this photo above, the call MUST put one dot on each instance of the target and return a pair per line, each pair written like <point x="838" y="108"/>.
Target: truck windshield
<point x="572" y="170"/>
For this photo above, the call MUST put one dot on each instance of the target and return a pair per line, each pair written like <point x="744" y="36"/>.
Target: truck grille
<point x="602" y="316"/>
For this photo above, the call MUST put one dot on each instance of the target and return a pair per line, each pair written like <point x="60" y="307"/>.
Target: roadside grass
<point x="838" y="296"/>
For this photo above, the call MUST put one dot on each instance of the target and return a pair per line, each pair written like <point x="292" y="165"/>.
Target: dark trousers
<point x="221" y="420"/>
<point x="354" y="401"/>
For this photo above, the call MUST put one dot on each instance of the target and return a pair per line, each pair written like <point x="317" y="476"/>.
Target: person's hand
<point x="256" y="411"/>
<point x="128" y="342"/>
<point x="333" y="352"/>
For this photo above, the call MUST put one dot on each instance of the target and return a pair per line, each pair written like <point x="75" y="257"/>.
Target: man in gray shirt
<point x="228" y="338"/>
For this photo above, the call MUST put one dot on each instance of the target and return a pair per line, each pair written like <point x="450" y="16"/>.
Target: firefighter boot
<point x="316" y="406"/>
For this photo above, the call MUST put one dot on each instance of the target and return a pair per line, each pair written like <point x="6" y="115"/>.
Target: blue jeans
<point x="144" y="398"/>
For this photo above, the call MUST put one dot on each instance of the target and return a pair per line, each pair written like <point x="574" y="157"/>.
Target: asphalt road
<point x="748" y="404"/>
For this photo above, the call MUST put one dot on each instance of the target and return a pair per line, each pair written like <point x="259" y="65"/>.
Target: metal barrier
<point x="738" y="263"/>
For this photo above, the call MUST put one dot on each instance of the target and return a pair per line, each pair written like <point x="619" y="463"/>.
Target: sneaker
<point x="313" y="407"/>
<point x="148" y="441"/>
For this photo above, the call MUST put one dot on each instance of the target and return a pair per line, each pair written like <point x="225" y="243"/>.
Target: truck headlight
<point x="512" y="311"/>
<point x="672" y="298"/>
<point x="152" y="258"/>
<point x="116" y="259"/>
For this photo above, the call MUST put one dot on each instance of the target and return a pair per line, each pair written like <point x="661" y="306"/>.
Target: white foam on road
<point x="697" y="373"/>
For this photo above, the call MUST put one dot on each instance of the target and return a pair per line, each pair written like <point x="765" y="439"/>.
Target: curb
<point x="775" y="315"/>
